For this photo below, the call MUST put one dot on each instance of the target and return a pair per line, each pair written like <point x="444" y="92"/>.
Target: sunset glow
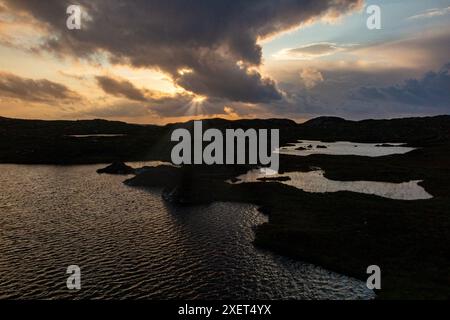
<point x="325" y="63"/>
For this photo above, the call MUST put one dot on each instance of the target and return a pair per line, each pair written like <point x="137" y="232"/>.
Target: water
<point x="141" y="164"/>
<point x="131" y="244"/>
<point x="315" y="181"/>
<point x="103" y="135"/>
<point x="344" y="148"/>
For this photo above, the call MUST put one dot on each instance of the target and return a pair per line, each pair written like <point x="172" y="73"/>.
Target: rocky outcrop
<point x="117" y="167"/>
<point x="186" y="194"/>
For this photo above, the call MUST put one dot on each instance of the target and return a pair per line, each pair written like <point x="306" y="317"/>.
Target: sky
<point x="165" y="61"/>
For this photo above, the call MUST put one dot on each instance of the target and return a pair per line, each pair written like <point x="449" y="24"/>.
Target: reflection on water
<point x="142" y="164"/>
<point x="308" y="147"/>
<point x="315" y="181"/>
<point x="131" y="244"/>
<point x="103" y="135"/>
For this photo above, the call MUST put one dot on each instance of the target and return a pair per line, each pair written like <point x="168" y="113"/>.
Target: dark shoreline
<point x="343" y="231"/>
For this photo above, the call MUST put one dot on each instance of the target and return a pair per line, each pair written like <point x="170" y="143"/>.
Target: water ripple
<point x="132" y="245"/>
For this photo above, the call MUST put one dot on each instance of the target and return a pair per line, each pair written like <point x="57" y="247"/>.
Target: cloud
<point x="30" y="90"/>
<point x="311" y="77"/>
<point x="339" y="94"/>
<point x="207" y="37"/>
<point x="430" y="13"/>
<point x="309" y="51"/>
<point x="433" y="90"/>
<point x="178" y="104"/>
<point x="231" y="112"/>
<point x="120" y="88"/>
<point x="427" y="50"/>
<point x="118" y="110"/>
<point x="221" y="78"/>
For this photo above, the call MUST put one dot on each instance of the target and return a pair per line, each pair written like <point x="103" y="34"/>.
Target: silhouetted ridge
<point x="243" y="123"/>
<point x="70" y="142"/>
<point x="325" y="122"/>
<point x="415" y="131"/>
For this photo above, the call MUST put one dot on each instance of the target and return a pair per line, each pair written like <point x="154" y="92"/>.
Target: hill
<point x="59" y="142"/>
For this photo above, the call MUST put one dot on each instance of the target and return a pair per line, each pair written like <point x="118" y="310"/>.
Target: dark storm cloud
<point x="209" y="37"/>
<point x="42" y="90"/>
<point x="433" y="89"/>
<point x="120" y="88"/>
<point x="222" y="78"/>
